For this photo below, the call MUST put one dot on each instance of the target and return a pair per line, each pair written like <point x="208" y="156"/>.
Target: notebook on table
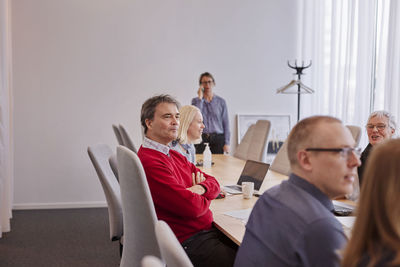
<point x="253" y="171"/>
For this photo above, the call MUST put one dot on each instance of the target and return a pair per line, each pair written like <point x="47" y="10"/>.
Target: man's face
<point x="163" y="128"/>
<point x="333" y="172"/>
<point x="378" y="130"/>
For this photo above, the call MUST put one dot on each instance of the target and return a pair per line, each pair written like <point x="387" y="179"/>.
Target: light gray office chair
<point x="281" y="162"/>
<point x="99" y="156"/>
<point x="355" y="132"/>
<point x="152" y="261"/>
<point x="118" y="135"/>
<point x="126" y="139"/>
<point x="242" y="149"/>
<point x="172" y="251"/>
<point x="113" y="163"/>
<point x="138" y="208"/>
<point x="257" y="144"/>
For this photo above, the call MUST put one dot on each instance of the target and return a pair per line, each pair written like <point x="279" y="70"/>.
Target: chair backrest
<point x="118" y="135"/>
<point x="152" y="261"/>
<point x="254" y="143"/>
<point x="258" y="145"/>
<point x="281" y="161"/>
<point x="355" y="132"/>
<point x="242" y="149"/>
<point x="113" y="163"/>
<point x="171" y="250"/>
<point x="137" y="205"/>
<point x="126" y="139"/>
<point x="99" y="156"/>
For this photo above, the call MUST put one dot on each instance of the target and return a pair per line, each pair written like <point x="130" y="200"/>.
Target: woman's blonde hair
<point x="187" y="114"/>
<point x="377" y="228"/>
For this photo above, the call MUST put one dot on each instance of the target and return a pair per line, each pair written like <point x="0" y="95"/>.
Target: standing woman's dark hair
<point x="206" y="74"/>
<point x="376" y="233"/>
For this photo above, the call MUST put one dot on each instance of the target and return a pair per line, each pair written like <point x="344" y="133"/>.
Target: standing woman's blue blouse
<point x="187" y="150"/>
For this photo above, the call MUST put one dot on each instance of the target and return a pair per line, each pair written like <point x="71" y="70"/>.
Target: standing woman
<point x="189" y="132"/>
<point x="215" y="113"/>
<point x="375" y="239"/>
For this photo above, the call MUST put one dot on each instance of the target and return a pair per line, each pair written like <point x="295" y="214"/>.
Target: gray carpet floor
<point x="66" y="237"/>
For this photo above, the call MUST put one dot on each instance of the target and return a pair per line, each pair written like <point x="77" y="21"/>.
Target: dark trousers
<point x="215" y="141"/>
<point x="210" y="248"/>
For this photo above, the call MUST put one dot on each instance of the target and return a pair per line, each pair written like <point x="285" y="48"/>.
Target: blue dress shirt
<point x="215" y="116"/>
<point x="188" y="150"/>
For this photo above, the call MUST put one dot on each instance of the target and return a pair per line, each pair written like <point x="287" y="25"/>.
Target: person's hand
<point x="197" y="189"/>
<point x="198" y="178"/>
<point x="226" y="149"/>
<point x="200" y="92"/>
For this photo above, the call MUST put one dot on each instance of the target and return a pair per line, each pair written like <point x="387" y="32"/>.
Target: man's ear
<point x="149" y="123"/>
<point x="303" y="158"/>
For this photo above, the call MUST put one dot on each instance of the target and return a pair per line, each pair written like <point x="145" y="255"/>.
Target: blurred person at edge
<point x="375" y="239"/>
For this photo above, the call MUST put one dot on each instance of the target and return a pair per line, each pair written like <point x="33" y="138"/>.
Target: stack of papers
<point x="242" y="215"/>
<point x="347" y="222"/>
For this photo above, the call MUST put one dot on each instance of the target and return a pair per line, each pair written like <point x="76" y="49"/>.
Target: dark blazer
<point x="363" y="158"/>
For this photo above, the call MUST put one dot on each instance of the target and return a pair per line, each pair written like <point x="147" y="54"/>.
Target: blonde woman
<point x="189" y="133"/>
<point x="375" y="239"/>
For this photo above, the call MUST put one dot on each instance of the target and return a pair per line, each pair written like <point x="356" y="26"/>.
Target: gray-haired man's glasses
<point x="345" y="152"/>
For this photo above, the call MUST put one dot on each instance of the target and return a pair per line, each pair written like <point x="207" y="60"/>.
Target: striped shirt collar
<point x="148" y="143"/>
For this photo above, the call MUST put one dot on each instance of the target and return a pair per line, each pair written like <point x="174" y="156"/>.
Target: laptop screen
<point x="255" y="172"/>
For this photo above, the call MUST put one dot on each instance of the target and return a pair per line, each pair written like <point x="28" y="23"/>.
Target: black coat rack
<point x="301" y="88"/>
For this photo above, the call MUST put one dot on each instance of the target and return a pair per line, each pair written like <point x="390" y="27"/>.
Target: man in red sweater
<point x="181" y="192"/>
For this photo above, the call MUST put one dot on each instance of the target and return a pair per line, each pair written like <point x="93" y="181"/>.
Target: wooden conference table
<point x="227" y="170"/>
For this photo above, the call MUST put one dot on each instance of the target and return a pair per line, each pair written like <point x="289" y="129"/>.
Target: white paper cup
<point x="248" y="189"/>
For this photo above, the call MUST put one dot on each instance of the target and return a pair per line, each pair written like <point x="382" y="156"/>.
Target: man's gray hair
<point x="384" y="113"/>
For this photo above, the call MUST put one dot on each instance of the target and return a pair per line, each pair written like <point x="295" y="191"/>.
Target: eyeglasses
<point x="379" y="127"/>
<point x="345" y="152"/>
<point x="207" y="82"/>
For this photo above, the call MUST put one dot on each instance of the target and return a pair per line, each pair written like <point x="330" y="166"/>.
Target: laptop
<point x="253" y="171"/>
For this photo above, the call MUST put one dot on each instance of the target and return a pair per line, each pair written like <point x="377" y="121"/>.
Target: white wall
<point x="80" y="66"/>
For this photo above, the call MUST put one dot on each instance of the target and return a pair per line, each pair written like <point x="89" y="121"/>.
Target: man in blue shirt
<point x="215" y="116"/>
<point x="292" y="224"/>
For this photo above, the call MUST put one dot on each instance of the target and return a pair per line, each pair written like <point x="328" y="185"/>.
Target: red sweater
<point x="168" y="176"/>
